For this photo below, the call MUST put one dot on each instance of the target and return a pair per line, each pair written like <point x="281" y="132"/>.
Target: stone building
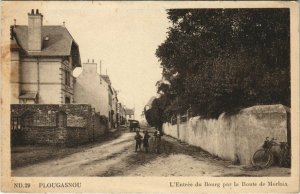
<point x="129" y="114"/>
<point x="121" y="113"/>
<point x="115" y="116"/>
<point x="42" y="61"/>
<point x="92" y="88"/>
<point x="109" y="94"/>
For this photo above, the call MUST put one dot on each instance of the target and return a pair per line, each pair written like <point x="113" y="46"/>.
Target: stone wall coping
<point x="266" y="109"/>
<point x="257" y="109"/>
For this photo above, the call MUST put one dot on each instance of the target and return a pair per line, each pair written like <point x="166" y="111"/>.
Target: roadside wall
<point x="54" y="124"/>
<point x="99" y="125"/>
<point x="235" y="136"/>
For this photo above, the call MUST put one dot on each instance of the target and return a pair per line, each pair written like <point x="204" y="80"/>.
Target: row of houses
<point x="96" y="89"/>
<point x="43" y="59"/>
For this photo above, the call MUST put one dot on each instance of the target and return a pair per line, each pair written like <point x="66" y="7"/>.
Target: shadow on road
<point x="22" y="156"/>
<point x="169" y="146"/>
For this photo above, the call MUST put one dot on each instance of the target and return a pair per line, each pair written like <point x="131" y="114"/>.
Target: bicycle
<point x="264" y="158"/>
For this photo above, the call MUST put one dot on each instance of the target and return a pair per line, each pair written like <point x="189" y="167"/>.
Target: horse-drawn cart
<point x="134" y="125"/>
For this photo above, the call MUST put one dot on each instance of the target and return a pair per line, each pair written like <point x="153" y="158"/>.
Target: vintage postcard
<point x="150" y="96"/>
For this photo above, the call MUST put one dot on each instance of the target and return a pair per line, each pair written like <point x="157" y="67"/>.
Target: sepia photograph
<point x="111" y="89"/>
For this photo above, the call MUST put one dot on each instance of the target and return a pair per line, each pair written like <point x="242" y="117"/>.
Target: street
<point x="116" y="157"/>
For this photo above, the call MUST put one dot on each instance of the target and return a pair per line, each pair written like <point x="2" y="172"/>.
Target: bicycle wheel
<point x="262" y="158"/>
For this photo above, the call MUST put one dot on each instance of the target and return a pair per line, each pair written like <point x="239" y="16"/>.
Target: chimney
<point x="35" y="23"/>
<point x="89" y="67"/>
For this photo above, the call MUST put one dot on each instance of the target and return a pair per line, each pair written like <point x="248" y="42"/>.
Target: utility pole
<point x="100" y="64"/>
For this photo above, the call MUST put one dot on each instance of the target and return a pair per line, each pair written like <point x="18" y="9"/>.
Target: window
<point x="67" y="100"/>
<point x="67" y="78"/>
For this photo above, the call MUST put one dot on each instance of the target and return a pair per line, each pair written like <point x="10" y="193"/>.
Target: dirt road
<point x="117" y="158"/>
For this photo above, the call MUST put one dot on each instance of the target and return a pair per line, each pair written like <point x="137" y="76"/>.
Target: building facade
<point x="129" y="114"/>
<point x="121" y="114"/>
<point x="42" y="62"/>
<point x="91" y="88"/>
<point x="109" y="94"/>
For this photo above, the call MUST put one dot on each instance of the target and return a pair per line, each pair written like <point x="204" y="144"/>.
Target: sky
<point x="122" y="36"/>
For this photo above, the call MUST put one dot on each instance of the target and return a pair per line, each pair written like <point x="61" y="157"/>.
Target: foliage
<point x="155" y="116"/>
<point x="219" y="60"/>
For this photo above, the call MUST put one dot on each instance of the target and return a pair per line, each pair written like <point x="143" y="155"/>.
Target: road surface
<point x="117" y="158"/>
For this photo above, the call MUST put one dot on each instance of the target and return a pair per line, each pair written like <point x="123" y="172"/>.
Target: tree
<point x="155" y="116"/>
<point x="220" y="60"/>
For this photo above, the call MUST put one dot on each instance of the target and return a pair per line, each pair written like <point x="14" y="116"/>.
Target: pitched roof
<point x="60" y="41"/>
<point x="129" y="111"/>
<point x="106" y="78"/>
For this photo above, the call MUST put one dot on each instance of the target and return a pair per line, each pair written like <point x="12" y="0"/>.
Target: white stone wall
<point x="239" y="135"/>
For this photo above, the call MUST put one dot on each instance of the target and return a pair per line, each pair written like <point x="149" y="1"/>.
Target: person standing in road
<point x="157" y="140"/>
<point x="146" y="141"/>
<point x="138" y="141"/>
